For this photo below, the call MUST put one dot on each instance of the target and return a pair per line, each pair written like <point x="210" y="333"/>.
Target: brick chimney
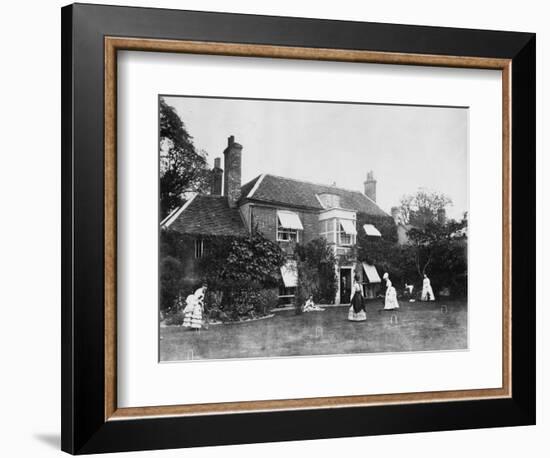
<point x="217" y="177"/>
<point x="370" y="186"/>
<point x="232" y="173"/>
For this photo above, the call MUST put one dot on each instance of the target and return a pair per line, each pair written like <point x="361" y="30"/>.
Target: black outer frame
<point x="84" y="429"/>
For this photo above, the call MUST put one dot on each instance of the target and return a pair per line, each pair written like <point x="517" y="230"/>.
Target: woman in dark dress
<point x="357" y="311"/>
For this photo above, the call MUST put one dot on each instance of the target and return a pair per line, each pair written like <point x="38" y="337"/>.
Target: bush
<point x="171" y="273"/>
<point x="174" y="318"/>
<point x="241" y="303"/>
<point x="308" y="284"/>
<point x="316" y="272"/>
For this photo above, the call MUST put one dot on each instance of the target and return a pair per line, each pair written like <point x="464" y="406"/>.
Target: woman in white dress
<point x="311" y="306"/>
<point x="390" y="302"/>
<point x="427" y="291"/>
<point x="357" y="310"/>
<point x="192" y="313"/>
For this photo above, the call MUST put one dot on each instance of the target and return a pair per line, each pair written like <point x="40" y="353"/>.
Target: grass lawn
<point x="420" y="326"/>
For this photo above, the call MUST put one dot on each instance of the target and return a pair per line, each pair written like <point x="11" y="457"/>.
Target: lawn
<point x="418" y="326"/>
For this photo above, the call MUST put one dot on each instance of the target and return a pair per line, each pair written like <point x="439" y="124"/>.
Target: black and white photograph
<point x="293" y="228"/>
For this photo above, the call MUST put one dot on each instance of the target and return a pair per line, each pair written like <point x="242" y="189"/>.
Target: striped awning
<point x="371" y="230"/>
<point x="348" y="226"/>
<point x="289" y="220"/>
<point x="371" y="273"/>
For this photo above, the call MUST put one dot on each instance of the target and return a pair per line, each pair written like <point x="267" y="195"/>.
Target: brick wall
<point x="310" y="221"/>
<point x="266" y="220"/>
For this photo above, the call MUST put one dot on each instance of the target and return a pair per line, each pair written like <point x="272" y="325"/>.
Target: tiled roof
<point x="208" y="215"/>
<point x="286" y="191"/>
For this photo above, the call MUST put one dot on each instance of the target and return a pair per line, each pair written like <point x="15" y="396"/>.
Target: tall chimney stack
<point x="370" y="186"/>
<point x="217" y="177"/>
<point x="232" y="173"/>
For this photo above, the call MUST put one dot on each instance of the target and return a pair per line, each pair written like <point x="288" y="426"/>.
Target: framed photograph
<point x="283" y="228"/>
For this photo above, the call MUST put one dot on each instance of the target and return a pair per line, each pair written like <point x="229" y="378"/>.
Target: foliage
<point x="308" y="285"/>
<point x="174" y="318"/>
<point x="378" y="250"/>
<point x="433" y="239"/>
<point x="171" y="273"/>
<point x="385" y="224"/>
<point x="383" y="252"/>
<point x="231" y="262"/>
<point x="423" y="207"/>
<point x="437" y="248"/>
<point x="183" y="168"/>
<point x="316" y="265"/>
<point x="242" y="274"/>
<point x="245" y="270"/>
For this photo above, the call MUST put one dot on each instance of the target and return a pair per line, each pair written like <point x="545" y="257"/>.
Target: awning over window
<point x="289" y="272"/>
<point x="371" y="230"/>
<point x="289" y="220"/>
<point x="348" y="226"/>
<point x="371" y="273"/>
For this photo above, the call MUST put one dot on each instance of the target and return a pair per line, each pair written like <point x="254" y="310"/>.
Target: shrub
<point x="170" y="282"/>
<point x="174" y="318"/>
<point x="316" y="271"/>
<point x="241" y="303"/>
<point x="267" y="299"/>
<point x="308" y="284"/>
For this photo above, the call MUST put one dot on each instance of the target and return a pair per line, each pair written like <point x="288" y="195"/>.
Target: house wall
<point x="245" y="215"/>
<point x="190" y="269"/>
<point x="265" y="219"/>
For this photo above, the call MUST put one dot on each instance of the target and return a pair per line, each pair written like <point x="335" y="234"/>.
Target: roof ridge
<point x="329" y="186"/>
<point x="314" y="183"/>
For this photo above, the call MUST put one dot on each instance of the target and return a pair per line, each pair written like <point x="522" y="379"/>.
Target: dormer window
<point x="329" y="200"/>
<point x="288" y="226"/>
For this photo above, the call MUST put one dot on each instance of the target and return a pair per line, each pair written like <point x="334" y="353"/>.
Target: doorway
<point x="345" y="285"/>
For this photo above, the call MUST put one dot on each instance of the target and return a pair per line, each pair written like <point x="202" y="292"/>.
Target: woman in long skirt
<point x="357" y="311"/>
<point x="192" y="314"/>
<point x="390" y="302"/>
<point x="427" y="291"/>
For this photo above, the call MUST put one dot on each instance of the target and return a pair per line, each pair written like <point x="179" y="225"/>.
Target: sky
<point x="407" y="147"/>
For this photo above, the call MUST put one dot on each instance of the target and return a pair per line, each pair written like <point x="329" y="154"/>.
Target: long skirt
<point x="427" y="293"/>
<point x="357" y="304"/>
<point x="391" y="299"/>
<point x="193" y="318"/>
<point x="352" y="316"/>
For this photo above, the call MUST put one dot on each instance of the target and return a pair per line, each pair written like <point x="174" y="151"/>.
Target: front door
<point x="345" y="285"/>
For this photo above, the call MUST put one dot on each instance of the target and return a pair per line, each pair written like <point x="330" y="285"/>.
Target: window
<point x="343" y="238"/>
<point x="199" y="248"/>
<point x="326" y="230"/>
<point x="288" y="226"/>
<point x="286" y="235"/>
<point x="346" y="233"/>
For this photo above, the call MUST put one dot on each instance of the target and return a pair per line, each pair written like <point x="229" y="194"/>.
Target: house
<point x="286" y="211"/>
